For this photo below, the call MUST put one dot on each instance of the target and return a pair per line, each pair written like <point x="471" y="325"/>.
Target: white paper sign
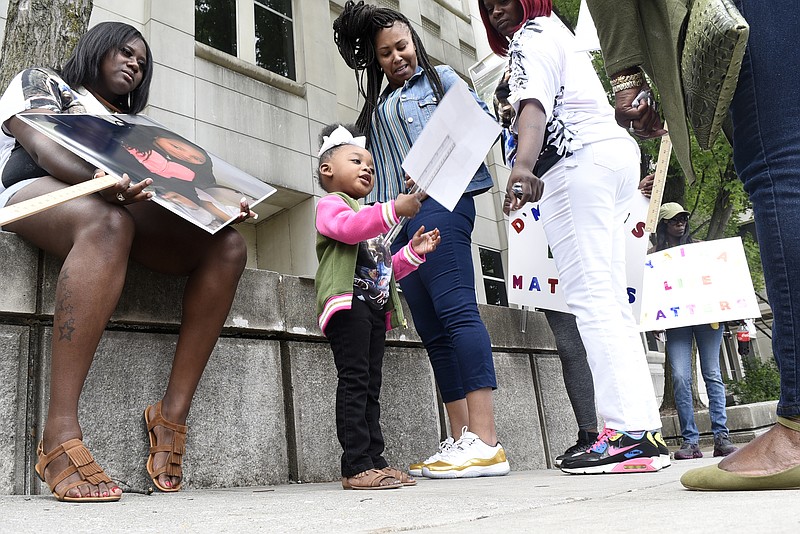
<point x="697" y="283"/>
<point x="451" y="147"/>
<point x="533" y="278"/>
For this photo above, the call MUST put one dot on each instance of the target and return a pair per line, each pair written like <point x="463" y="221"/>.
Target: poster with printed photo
<point x="187" y="180"/>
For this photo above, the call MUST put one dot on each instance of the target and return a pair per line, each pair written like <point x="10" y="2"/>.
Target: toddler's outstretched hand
<point x="425" y="242"/>
<point x="407" y="205"/>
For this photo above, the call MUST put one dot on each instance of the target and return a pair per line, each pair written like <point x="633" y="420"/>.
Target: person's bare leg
<point x="480" y="404"/>
<point x="94" y="238"/>
<point x="214" y="264"/>
<point x="458" y="414"/>
<point x="776" y="450"/>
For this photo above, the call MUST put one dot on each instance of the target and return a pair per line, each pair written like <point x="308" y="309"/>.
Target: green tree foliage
<point x="761" y="382"/>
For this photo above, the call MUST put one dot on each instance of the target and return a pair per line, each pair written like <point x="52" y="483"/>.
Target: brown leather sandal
<point x="404" y="478"/>
<point x="176" y="448"/>
<point x="81" y="462"/>
<point x="372" y="479"/>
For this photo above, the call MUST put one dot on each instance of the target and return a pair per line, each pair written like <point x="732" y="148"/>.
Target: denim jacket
<point x="419" y="102"/>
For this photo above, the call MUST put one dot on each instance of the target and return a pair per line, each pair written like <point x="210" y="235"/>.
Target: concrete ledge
<point x="14" y="363"/>
<point x="745" y="422"/>
<point x="264" y="410"/>
<point x="236" y="426"/>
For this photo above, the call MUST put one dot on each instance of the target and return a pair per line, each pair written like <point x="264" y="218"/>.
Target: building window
<point x="494" y="279"/>
<point x="215" y="24"/>
<point x="258" y="31"/>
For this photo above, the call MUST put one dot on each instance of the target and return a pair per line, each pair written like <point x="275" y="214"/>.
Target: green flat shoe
<point x="712" y="478"/>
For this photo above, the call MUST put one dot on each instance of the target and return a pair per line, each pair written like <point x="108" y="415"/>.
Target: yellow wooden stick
<point x="659" y="180"/>
<point x="31" y="206"/>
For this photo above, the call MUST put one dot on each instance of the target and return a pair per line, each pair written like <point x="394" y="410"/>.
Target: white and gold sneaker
<point x="416" y="469"/>
<point x="469" y="457"/>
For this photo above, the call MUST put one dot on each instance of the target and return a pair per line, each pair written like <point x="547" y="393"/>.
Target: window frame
<point x="491" y="278"/>
<point x="245" y="58"/>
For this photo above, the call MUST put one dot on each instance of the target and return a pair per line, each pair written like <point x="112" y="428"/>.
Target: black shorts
<point x="20" y="166"/>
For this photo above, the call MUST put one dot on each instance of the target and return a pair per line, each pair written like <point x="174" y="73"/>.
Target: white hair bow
<point x="341" y="136"/>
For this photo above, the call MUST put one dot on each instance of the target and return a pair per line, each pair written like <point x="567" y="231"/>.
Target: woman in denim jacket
<point x="441" y="293"/>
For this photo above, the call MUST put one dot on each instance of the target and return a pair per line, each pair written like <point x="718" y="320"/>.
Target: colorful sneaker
<point x="469" y="457"/>
<point x="416" y="469"/>
<point x="663" y="450"/>
<point x="585" y="440"/>
<point x="617" y="451"/>
<point x="723" y="445"/>
<point x="688" y="451"/>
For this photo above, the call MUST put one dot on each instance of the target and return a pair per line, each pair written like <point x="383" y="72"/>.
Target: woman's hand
<point x="642" y="120"/>
<point x="425" y="242"/>
<point x="245" y="212"/>
<point x="531" y="186"/>
<point x="123" y="192"/>
<point x="646" y="185"/>
<point x="406" y="205"/>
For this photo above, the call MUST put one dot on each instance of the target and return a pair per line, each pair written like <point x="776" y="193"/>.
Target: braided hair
<point x="354" y="32"/>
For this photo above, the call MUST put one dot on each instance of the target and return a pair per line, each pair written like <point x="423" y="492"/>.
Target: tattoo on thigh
<point x="64" y="309"/>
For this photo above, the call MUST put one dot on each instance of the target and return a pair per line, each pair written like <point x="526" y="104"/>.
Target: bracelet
<point x="620" y="83"/>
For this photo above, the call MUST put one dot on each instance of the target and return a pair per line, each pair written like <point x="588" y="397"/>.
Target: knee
<point x="110" y="230"/>
<point x="681" y="378"/>
<point x="230" y="251"/>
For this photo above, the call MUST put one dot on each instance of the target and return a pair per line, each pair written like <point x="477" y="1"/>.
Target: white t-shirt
<point x="547" y="66"/>
<point x="40" y="89"/>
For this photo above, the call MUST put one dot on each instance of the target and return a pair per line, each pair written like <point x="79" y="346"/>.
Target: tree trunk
<point x="668" y="401"/>
<point x="41" y="33"/>
<point x="723" y="207"/>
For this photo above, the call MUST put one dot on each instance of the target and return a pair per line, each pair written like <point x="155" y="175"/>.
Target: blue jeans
<point x="441" y="296"/>
<point x="679" y="352"/>
<point x="766" y="154"/>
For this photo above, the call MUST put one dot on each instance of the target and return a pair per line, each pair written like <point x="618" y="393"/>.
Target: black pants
<point x="357" y="338"/>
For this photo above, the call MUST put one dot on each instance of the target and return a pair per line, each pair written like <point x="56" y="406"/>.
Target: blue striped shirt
<point x="389" y="144"/>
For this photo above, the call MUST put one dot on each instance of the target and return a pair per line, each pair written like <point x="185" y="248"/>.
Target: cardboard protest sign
<point x="533" y="277"/>
<point x="697" y="283"/>
<point x="451" y="147"/>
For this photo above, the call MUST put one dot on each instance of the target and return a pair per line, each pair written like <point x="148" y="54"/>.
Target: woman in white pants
<point x="583" y="168"/>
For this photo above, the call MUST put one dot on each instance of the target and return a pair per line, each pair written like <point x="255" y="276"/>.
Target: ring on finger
<point x="121" y="197"/>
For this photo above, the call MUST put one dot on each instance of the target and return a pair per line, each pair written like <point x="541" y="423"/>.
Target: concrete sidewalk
<point x="524" y="501"/>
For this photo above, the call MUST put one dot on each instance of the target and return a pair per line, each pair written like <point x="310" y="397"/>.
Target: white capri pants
<point x="585" y="203"/>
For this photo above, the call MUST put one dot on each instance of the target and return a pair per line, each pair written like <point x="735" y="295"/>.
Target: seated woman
<point x="109" y="71"/>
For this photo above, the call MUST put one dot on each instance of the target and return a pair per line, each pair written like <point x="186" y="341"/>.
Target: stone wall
<point x="263" y="413"/>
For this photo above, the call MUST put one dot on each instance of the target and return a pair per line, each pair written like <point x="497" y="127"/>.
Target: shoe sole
<point x="496" y="470"/>
<point x="692" y="457"/>
<point x="649" y="464"/>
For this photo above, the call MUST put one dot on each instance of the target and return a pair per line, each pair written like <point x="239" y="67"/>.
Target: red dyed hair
<point x="530" y="9"/>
